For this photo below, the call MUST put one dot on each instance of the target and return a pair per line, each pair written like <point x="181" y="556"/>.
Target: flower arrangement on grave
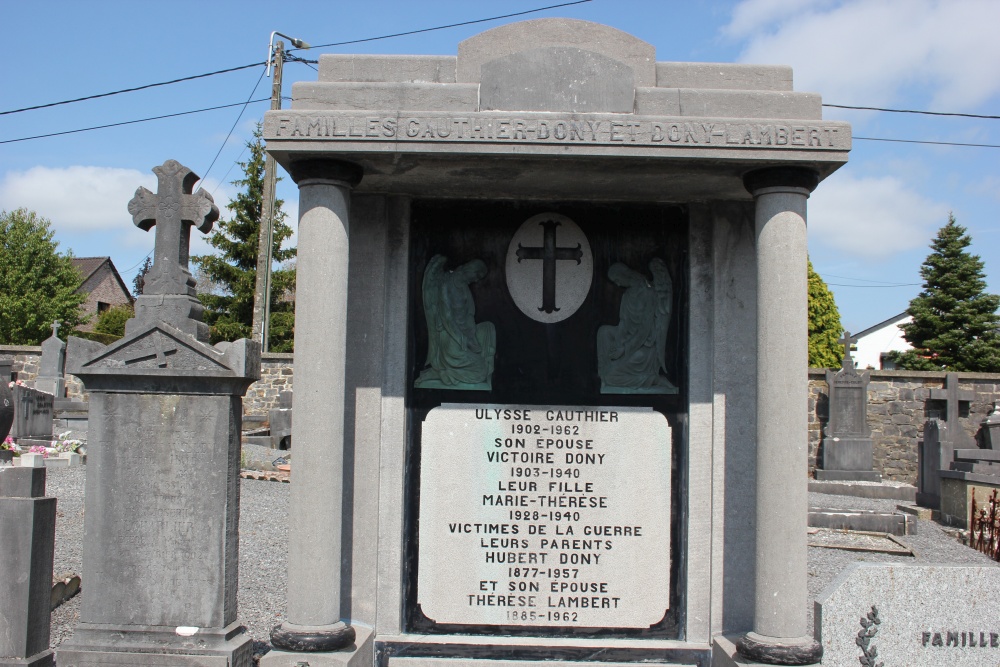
<point x="39" y="449"/>
<point x="12" y="383"/>
<point x="63" y="444"/>
<point x="8" y="444"/>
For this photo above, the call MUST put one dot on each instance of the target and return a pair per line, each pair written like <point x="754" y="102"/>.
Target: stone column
<point x="314" y="522"/>
<point x="780" y="635"/>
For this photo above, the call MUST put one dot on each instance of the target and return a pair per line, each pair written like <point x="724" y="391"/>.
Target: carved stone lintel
<point x="312" y="638"/>
<point x="772" y="651"/>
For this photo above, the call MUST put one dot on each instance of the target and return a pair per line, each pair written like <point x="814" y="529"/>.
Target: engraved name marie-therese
<point x="460" y="353"/>
<point x="631" y="354"/>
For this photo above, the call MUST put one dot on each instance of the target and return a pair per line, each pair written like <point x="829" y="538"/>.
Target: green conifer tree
<point x="230" y="315"/>
<point x="824" y="325"/>
<point x="955" y="322"/>
<point x="37" y="284"/>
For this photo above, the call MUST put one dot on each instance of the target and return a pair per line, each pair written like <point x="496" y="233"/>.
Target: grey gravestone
<point x="27" y="544"/>
<point x="990" y="429"/>
<point x="910" y="615"/>
<point x="847" y="442"/>
<point x="163" y="467"/>
<point x="32" y="416"/>
<point x="52" y="369"/>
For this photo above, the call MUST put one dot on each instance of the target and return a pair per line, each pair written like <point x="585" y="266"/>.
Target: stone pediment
<point x="160" y="349"/>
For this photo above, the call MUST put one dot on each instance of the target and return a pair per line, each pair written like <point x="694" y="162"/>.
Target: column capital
<point x="334" y="172"/>
<point x="780" y="177"/>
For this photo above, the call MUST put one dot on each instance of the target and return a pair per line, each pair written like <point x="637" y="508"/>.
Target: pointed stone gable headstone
<point x="169" y="290"/>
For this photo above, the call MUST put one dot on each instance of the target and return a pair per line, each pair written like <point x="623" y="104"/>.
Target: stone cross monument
<point x="163" y="465"/>
<point x="169" y="291"/>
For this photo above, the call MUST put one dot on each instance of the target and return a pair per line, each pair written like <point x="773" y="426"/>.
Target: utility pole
<point x="261" y="326"/>
<point x="262" y="294"/>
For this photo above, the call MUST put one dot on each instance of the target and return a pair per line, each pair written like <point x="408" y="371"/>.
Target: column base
<point x="359" y="653"/>
<point x="44" y="659"/>
<point x="780" y="650"/>
<point x="312" y="638"/>
<point x="156" y="646"/>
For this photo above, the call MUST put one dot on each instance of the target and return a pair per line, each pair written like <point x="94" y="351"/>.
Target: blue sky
<point x="870" y="223"/>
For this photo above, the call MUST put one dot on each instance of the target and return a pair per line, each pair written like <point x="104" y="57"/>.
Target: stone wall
<point x="275" y="377"/>
<point x="897" y="410"/>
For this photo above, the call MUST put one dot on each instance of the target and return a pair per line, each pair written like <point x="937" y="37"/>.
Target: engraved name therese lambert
<point x="460" y="353"/>
<point x="631" y="355"/>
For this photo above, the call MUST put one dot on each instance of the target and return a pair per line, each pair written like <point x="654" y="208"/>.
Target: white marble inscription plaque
<point x="544" y="516"/>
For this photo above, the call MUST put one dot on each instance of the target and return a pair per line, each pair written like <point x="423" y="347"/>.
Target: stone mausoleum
<point x="551" y="365"/>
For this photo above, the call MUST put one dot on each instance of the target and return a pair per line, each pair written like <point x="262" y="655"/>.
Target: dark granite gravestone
<point x="27" y="544"/>
<point x="163" y="466"/>
<point x="33" y="411"/>
<point x="6" y="409"/>
<point x="52" y="368"/>
<point x="847" y="442"/>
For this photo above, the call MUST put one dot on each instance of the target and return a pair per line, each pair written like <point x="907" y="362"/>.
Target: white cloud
<point x="867" y="52"/>
<point x="872" y="217"/>
<point x="75" y="199"/>
<point x="83" y="198"/>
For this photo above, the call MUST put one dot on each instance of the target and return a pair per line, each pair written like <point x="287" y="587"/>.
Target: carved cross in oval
<point x="173" y="209"/>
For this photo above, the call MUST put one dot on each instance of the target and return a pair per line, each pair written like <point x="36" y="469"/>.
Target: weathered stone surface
<point x="927" y="615"/>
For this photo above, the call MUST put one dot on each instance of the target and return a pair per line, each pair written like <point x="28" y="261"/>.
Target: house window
<point x="101" y="306"/>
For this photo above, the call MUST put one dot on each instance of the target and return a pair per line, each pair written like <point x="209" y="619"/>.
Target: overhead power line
<point x="933" y="143"/>
<point x="917" y="111"/>
<point x="131" y="122"/>
<point x="235" y="122"/>
<point x="308" y="63"/>
<point x="131" y="90"/>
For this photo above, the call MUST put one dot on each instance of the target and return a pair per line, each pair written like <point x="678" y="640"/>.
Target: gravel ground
<point x="263" y="533"/>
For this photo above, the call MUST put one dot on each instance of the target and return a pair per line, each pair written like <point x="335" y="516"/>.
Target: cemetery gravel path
<point x="263" y="535"/>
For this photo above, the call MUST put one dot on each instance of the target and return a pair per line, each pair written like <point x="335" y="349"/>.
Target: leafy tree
<point x="955" y="321"/>
<point x="112" y="321"/>
<point x="824" y="325"/>
<point x="234" y="269"/>
<point x="37" y="284"/>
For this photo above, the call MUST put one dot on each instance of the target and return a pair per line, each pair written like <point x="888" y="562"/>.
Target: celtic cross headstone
<point x="169" y="290"/>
